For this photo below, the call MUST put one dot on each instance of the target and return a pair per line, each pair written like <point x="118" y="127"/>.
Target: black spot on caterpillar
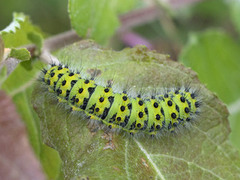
<point x="149" y="115"/>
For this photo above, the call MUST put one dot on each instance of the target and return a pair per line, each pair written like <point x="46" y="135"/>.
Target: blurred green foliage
<point x="215" y="56"/>
<point x="212" y="50"/>
<point x="50" y="15"/>
<point x="21" y="32"/>
<point x="97" y="19"/>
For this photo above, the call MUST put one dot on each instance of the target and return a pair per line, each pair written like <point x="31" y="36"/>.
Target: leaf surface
<point x="202" y="151"/>
<point x="97" y="19"/>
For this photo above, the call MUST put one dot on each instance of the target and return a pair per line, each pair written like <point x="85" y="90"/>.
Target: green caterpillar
<point x="119" y="110"/>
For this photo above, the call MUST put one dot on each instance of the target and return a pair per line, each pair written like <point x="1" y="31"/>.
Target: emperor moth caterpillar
<point x="150" y="115"/>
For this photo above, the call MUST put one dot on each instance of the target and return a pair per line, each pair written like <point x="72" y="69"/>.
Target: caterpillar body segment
<point x="120" y="110"/>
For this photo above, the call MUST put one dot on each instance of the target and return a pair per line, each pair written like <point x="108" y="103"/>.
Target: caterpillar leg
<point x="109" y="125"/>
<point x="91" y="116"/>
<point x="74" y="108"/>
<point x="50" y="90"/>
<point x="61" y="100"/>
<point x="153" y="134"/>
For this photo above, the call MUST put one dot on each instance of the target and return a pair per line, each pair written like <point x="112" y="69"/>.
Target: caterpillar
<point x="149" y="115"/>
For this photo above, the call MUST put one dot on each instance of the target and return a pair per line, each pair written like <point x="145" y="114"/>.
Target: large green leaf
<point x="97" y="19"/>
<point x="215" y="56"/>
<point x="201" y="152"/>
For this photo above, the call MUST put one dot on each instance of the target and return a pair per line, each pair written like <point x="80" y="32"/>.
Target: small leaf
<point x="50" y="161"/>
<point x="37" y="39"/>
<point x="20" y="54"/>
<point x="16" y="34"/>
<point x="97" y="19"/>
<point x="202" y="152"/>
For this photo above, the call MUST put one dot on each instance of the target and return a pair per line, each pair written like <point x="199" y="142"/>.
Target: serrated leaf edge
<point x="15" y="24"/>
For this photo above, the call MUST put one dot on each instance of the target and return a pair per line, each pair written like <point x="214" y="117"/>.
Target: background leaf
<point x="97" y="19"/>
<point x="37" y="39"/>
<point x="16" y="34"/>
<point x="54" y="19"/>
<point x="202" y="152"/>
<point x="215" y="56"/>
